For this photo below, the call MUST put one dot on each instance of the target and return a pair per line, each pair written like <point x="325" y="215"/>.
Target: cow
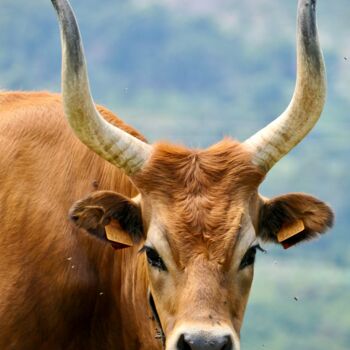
<point x="193" y="217"/>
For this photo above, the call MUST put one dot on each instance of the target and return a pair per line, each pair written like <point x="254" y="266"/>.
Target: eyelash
<point x="153" y="258"/>
<point x="249" y="256"/>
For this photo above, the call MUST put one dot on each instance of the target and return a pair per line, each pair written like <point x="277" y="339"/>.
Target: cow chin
<point x="196" y="336"/>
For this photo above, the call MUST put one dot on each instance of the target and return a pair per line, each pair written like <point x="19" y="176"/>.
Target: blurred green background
<point x="195" y="71"/>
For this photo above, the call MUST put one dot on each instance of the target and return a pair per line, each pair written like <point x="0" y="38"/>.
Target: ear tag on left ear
<point x="289" y="231"/>
<point x="117" y="236"/>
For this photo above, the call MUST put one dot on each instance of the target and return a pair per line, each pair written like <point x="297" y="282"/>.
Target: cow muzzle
<point x="190" y="338"/>
<point x="204" y="342"/>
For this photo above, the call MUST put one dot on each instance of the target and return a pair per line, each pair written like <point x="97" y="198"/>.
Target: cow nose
<point x="200" y="342"/>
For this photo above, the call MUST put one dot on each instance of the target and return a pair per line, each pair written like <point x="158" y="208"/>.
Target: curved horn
<point x="274" y="141"/>
<point x="111" y="143"/>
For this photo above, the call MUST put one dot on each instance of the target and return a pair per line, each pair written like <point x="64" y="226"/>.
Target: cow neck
<point x="143" y="324"/>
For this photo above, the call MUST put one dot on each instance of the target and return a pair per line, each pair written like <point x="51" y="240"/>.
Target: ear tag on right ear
<point x="289" y="231"/>
<point x="117" y="236"/>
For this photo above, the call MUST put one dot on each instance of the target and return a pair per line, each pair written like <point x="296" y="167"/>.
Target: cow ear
<point x="109" y="216"/>
<point x="293" y="218"/>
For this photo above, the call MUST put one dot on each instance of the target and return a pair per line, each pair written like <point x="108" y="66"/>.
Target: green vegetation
<point x="195" y="71"/>
<point x="298" y="305"/>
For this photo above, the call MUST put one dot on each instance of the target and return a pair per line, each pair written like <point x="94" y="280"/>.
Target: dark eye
<point x="249" y="257"/>
<point x="153" y="258"/>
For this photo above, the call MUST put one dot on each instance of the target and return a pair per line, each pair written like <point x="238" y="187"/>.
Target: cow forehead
<point x="201" y="195"/>
<point x="176" y="172"/>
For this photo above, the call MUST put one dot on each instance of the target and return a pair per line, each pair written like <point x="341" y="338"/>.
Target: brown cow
<point x="194" y="216"/>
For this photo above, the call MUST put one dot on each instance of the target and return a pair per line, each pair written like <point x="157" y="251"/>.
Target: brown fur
<point x="201" y="187"/>
<point x="51" y="274"/>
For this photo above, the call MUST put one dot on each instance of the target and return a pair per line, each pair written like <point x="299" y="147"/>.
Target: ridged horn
<point x="274" y="141"/>
<point x="111" y="143"/>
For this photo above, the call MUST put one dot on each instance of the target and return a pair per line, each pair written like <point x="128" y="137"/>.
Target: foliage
<point x="300" y="305"/>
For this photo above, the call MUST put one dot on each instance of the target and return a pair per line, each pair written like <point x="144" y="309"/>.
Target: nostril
<point x="227" y="345"/>
<point x="182" y="344"/>
<point x="204" y="342"/>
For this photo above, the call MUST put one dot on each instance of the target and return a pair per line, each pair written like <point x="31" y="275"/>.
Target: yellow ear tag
<point x="289" y="231"/>
<point x="117" y="236"/>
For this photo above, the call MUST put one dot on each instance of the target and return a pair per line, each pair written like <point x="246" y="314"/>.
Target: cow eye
<point x="153" y="258"/>
<point x="249" y="257"/>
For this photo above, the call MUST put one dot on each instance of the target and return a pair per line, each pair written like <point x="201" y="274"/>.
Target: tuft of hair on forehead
<point x="205" y="191"/>
<point x="174" y="167"/>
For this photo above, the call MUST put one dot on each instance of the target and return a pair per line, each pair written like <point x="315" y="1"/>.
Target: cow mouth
<point x="160" y="333"/>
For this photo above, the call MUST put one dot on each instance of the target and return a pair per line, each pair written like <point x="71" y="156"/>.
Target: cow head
<point x="199" y="216"/>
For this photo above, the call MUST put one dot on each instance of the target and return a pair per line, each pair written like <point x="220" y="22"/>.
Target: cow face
<point x="200" y="242"/>
<point x="200" y="220"/>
